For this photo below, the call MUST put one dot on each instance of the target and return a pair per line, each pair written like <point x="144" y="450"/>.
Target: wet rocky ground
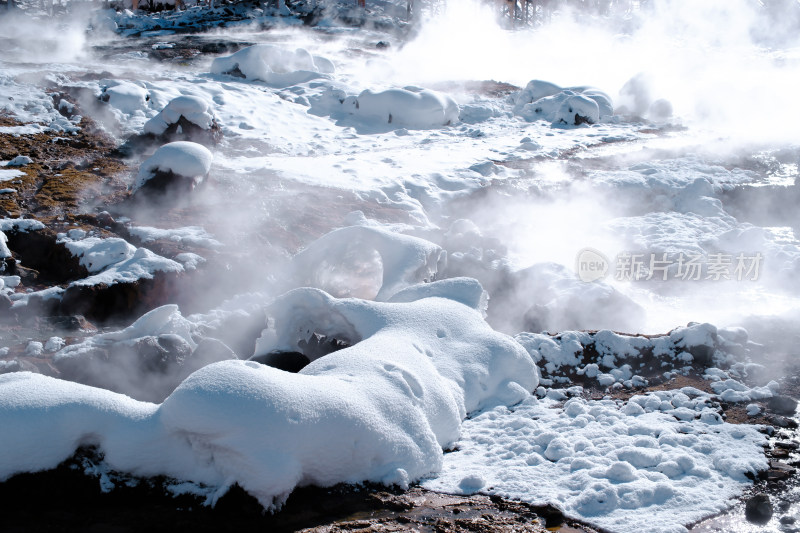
<point x="76" y="503"/>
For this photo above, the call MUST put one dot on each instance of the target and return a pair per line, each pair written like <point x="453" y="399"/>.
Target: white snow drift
<point x="380" y="410"/>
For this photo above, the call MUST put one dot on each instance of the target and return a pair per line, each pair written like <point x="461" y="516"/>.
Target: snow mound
<point x="20" y="161"/>
<point x="380" y="410"/>
<point x="541" y="100"/>
<point x="182" y="158"/>
<point x="410" y="108"/>
<point x="274" y="65"/>
<point x="128" y="97"/>
<point x="192" y="108"/>
<point x="367" y="262"/>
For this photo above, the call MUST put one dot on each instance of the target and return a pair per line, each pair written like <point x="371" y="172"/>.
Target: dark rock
<point x="320" y="345"/>
<point x="782" y="405"/>
<point x="104" y="219"/>
<point x="758" y="509"/>
<point x="787" y="445"/>
<point x="781" y="421"/>
<point x="39" y="250"/>
<point x="120" y="301"/>
<point x="553" y="516"/>
<point x="788" y="520"/>
<point x="703" y="354"/>
<point x="779" y="471"/>
<point x="167" y="187"/>
<point x="183" y="130"/>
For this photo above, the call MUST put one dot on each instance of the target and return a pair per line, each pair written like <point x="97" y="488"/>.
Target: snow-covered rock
<point x="541" y="100"/>
<point x="274" y="65"/>
<point x="128" y="97"/>
<point x="415" y="109"/>
<point x="192" y="109"/>
<point x="187" y="160"/>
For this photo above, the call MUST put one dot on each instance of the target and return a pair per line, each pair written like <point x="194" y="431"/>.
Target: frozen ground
<point x="679" y="207"/>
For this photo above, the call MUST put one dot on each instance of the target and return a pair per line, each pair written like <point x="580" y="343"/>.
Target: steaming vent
<point x="316" y="346"/>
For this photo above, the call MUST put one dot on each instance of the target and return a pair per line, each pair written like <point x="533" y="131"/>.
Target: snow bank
<point x="367" y="262"/>
<point x="380" y="410"/>
<point x="274" y="65"/>
<point x="183" y="158"/>
<point x="606" y="462"/>
<point x="415" y="108"/>
<point x="192" y="108"/>
<point x="541" y="100"/>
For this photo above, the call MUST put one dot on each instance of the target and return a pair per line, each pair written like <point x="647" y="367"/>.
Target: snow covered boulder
<point x="128" y="97"/>
<point x="367" y="262"/>
<point x="186" y="117"/>
<point x="122" y="279"/>
<point x="412" y="108"/>
<point x="175" y="168"/>
<point x="274" y="65"/>
<point x="541" y="100"/>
